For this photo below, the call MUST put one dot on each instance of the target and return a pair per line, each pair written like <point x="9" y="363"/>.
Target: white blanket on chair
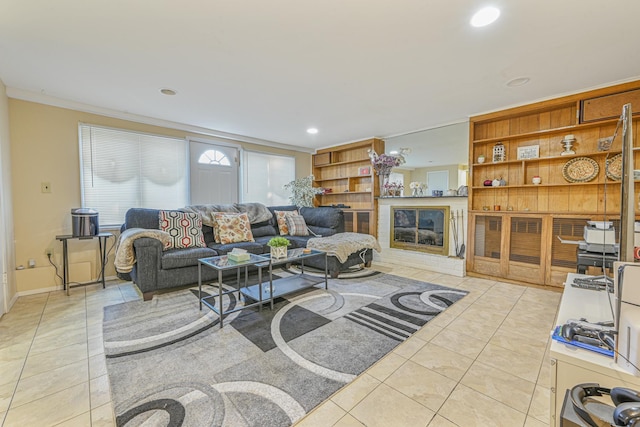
<point x="342" y="245"/>
<point x="125" y="255"/>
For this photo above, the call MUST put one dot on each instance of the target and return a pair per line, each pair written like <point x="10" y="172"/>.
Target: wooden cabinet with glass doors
<point x="346" y="174"/>
<point x="514" y="227"/>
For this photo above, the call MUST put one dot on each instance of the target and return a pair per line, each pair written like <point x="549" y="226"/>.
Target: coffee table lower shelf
<point x="281" y="287"/>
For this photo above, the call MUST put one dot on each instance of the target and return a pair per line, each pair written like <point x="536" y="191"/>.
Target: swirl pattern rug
<point x="170" y="364"/>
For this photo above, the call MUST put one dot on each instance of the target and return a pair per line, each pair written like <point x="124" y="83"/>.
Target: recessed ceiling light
<point x="167" y="91"/>
<point x="393" y="152"/>
<point x="312" y="131"/>
<point x="519" y="81"/>
<point x="485" y="16"/>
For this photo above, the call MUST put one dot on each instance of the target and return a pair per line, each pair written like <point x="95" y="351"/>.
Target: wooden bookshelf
<point x="346" y="170"/>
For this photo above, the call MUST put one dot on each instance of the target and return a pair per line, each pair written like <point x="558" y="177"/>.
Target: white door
<point x="438" y="180"/>
<point x="214" y="173"/>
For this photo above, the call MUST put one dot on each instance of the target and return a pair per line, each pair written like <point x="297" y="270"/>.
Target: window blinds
<point x="121" y="169"/>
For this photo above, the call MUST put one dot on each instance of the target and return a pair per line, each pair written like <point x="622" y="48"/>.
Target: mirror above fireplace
<point x="433" y="150"/>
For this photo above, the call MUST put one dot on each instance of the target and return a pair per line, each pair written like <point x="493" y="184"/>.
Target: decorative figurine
<point x="567" y="143"/>
<point x="499" y="154"/>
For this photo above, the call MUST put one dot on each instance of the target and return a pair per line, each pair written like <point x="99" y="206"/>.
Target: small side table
<point x="102" y="242"/>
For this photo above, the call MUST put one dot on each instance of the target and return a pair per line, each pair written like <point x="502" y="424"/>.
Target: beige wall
<point x="44" y="148"/>
<point x="6" y="212"/>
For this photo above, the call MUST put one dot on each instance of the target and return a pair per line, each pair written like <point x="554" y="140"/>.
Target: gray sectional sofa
<point x="156" y="269"/>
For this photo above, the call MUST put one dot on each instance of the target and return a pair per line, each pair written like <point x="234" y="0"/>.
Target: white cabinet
<point x="572" y="365"/>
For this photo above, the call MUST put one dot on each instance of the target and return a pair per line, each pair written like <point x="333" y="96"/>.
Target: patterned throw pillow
<point x="297" y="225"/>
<point x="184" y="228"/>
<point x="281" y="217"/>
<point x="233" y="228"/>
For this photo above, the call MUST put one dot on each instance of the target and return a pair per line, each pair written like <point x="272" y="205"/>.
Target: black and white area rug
<point x="170" y="364"/>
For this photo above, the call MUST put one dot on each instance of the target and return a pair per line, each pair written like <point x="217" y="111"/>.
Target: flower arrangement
<point x="393" y="188"/>
<point x="417" y="188"/>
<point x="303" y="191"/>
<point x="383" y="163"/>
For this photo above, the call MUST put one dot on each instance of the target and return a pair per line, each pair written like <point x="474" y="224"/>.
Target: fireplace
<point x="420" y="228"/>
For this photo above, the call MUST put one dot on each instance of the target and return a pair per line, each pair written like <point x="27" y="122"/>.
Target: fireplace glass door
<point x="421" y="228"/>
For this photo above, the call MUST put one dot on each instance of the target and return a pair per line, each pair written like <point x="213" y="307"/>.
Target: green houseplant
<point x="278" y="246"/>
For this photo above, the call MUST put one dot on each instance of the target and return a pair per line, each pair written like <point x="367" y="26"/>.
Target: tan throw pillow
<point x="233" y="228"/>
<point x="281" y="217"/>
<point x="184" y="228"/>
<point x="297" y="226"/>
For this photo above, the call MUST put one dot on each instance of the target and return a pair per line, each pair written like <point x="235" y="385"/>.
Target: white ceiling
<point x="271" y="69"/>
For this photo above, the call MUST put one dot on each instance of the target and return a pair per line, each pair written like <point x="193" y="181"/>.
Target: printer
<point x="599" y="237"/>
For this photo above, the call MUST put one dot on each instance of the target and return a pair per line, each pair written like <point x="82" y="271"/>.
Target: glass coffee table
<point x="268" y="291"/>
<point x="222" y="263"/>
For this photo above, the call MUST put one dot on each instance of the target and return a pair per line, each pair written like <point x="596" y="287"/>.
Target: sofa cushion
<point x="281" y="218"/>
<point x="233" y="228"/>
<point x="177" y="258"/>
<point x="251" y="247"/>
<point x="262" y="229"/>
<point x="184" y="228"/>
<point x="297" y="226"/>
<point x="324" y="221"/>
<point x="142" y="218"/>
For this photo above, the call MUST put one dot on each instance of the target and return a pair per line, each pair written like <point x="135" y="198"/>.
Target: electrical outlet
<point x="45" y="187"/>
<point x="49" y="252"/>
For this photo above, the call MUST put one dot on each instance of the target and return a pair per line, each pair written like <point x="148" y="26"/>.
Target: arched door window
<point x="214" y="157"/>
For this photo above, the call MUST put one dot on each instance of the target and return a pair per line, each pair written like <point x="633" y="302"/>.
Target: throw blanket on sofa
<point x="257" y="212"/>
<point x="342" y="245"/>
<point x="125" y="255"/>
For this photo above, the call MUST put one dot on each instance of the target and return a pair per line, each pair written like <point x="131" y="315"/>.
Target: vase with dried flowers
<point x="383" y="163"/>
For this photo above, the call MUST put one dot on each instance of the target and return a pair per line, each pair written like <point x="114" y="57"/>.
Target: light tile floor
<point x="483" y="362"/>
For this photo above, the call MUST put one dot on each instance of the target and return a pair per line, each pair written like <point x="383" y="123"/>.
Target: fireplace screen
<point x="421" y="229"/>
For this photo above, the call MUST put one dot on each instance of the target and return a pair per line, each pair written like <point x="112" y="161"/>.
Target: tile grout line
<point x="475" y="359"/>
<point x="436" y="412"/>
<point x="15" y="388"/>
<point x="538" y="370"/>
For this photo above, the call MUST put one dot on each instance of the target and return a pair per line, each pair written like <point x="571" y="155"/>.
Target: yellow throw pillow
<point x="233" y="228"/>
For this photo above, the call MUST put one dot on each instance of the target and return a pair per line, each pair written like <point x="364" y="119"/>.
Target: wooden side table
<point x="102" y="243"/>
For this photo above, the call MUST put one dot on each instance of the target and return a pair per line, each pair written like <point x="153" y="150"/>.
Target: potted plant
<point x="303" y="191"/>
<point x="278" y="247"/>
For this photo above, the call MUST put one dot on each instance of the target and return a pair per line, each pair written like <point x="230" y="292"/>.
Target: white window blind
<point x="121" y="169"/>
<point x="264" y="175"/>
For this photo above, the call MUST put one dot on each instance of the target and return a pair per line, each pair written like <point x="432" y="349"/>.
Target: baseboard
<point x="13" y="301"/>
<point x="38" y="291"/>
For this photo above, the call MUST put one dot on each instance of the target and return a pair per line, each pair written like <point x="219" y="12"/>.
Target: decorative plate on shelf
<point x="614" y="167"/>
<point x="580" y="169"/>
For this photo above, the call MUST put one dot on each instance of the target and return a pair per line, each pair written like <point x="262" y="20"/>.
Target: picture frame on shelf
<point x="528" y="152"/>
<point x="364" y="170"/>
